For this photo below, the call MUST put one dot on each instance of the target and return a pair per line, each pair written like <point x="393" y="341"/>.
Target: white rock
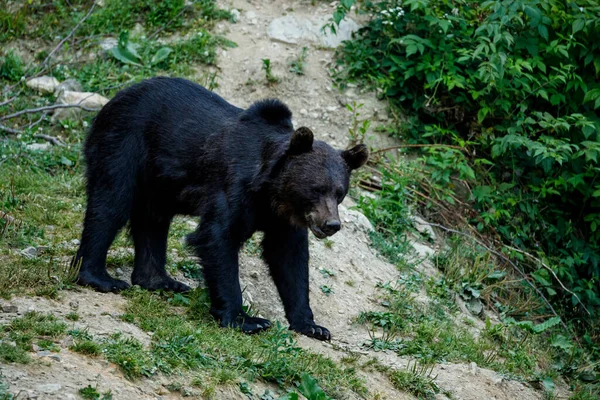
<point x="85" y="99"/>
<point x="49" y="388"/>
<point x="235" y="13"/>
<point x="38" y="146"/>
<point x="423" y="227"/>
<point x="293" y="30"/>
<point x="43" y="84"/>
<point x="108" y="43"/>
<point x="30" y="252"/>
<point x="69" y="84"/>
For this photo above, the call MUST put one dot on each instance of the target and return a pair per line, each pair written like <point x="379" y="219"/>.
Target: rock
<point x="235" y="14"/>
<point x="49" y="388"/>
<point x="69" y="85"/>
<point x="75" y="242"/>
<point x="84" y="99"/>
<point x="119" y="272"/>
<point x="74" y="304"/>
<point x="10" y="308"/>
<point x="254" y="274"/>
<point x="108" y="43"/>
<point x="68" y="341"/>
<point x="293" y="30"/>
<point x="38" y="146"/>
<point x="30" y="252"/>
<point x="423" y="227"/>
<point x="43" y="84"/>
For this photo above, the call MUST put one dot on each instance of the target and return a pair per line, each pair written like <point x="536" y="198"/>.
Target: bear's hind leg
<point x="150" y="240"/>
<point x="101" y="225"/>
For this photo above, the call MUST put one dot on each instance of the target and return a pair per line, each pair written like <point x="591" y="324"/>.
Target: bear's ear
<point x="356" y="157"/>
<point x="301" y="142"/>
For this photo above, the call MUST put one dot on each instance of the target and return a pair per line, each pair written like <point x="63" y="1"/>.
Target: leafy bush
<point x="514" y="85"/>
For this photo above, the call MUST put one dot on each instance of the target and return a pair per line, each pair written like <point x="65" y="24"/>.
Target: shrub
<point x="515" y="85"/>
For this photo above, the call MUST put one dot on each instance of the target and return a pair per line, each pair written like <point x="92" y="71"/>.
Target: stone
<point x="108" y="43"/>
<point x="254" y="274"/>
<point x="38" y="146"/>
<point x="49" y="388"/>
<point x="30" y="252"/>
<point x="119" y="272"/>
<point x="69" y="85"/>
<point x="74" y="304"/>
<point x="84" y="99"/>
<point x="43" y="84"/>
<point x="294" y="30"/>
<point x="423" y="227"/>
<point x="235" y="14"/>
<point x="10" y="308"/>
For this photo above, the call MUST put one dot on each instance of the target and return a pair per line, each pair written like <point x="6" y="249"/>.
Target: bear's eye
<point x="319" y="190"/>
<point x="339" y="195"/>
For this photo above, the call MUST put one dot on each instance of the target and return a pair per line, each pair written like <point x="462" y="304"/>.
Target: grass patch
<point x="10" y="353"/>
<point x="187" y="338"/>
<point x="92" y="393"/>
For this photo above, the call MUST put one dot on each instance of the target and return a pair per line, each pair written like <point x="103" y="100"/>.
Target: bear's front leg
<point x="218" y="254"/>
<point x="285" y="250"/>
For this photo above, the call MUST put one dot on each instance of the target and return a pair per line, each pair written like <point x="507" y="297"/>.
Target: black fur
<point x="168" y="146"/>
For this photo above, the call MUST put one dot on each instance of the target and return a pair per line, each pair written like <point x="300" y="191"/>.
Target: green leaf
<point x="161" y="55"/>
<point x="544" y="326"/>
<point x="411" y="49"/>
<point x="543" y="30"/>
<point x="124" y="56"/>
<point x="578" y="25"/>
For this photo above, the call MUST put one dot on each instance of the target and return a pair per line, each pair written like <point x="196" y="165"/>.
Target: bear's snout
<point x="330" y="227"/>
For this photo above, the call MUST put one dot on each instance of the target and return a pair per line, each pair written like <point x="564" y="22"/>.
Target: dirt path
<point x="356" y="267"/>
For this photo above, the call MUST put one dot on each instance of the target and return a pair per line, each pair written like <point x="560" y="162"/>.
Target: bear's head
<point x="313" y="181"/>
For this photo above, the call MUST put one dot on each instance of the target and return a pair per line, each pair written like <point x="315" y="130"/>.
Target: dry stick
<point x="10" y="130"/>
<point x="47" y="108"/>
<point x="552" y="272"/>
<point x="5" y="102"/>
<point x="416" y="145"/>
<point x="50" y="139"/>
<point x="59" y="45"/>
<point x="502" y="256"/>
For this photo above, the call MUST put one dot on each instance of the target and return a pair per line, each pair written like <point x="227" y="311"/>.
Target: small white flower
<point x="581" y="9"/>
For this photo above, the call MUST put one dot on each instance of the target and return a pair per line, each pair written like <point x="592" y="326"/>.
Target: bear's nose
<point x="331" y="226"/>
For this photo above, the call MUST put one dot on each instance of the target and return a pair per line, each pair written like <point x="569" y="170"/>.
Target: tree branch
<point x="46" y="108"/>
<point x="50" y="139"/>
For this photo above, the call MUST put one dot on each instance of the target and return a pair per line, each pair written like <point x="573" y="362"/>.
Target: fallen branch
<point x="401" y="146"/>
<point x="10" y="130"/>
<point x="50" y="139"/>
<point x="552" y="272"/>
<point x="59" y="45"/>
<point x="46" y="108"/>
<point x="5" y="102"/>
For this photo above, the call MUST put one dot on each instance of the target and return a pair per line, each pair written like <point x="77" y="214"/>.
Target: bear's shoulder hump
<point x="271" y="111"/>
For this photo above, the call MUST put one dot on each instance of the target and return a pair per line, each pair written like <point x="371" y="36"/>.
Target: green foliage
<point x="91" y="393"/>
<point x="271" y="79"/>
<point x="417" y="380"/>
<point x="11" y="67"/>
<point x="297" y="66"/>
<point x="513" y="85"/>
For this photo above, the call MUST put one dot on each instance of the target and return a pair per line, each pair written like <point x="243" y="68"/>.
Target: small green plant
<point x="327" y="290"/>
<point x="328" y="243"/>
<point x="72" y="316"/>
<point x="359" y="128"/>
<point x="271" y="79"/>
<point x="91" y="393"/>
<point x="417" y="380"/>
<point x="11" y="67"/>
<point x="297" y="66"/>
<point x="326" y="273"/>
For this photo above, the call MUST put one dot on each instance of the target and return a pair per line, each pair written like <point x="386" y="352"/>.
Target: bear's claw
<point x="314" y="331"/>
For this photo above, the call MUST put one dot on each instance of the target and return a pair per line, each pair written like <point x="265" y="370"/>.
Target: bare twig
<point x="10" y="130"/>
<point x="552" y="272"/>
<point x="5" y="102"/>
<point x="59" y="45"/>
<point x="508" y="260"/>
<point x="50" y="139"/>
<point x="401" y="146"/>
<point x="46" y="108"/>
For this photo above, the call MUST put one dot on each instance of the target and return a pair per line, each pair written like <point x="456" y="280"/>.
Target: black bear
<point x="167" y="146"/>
